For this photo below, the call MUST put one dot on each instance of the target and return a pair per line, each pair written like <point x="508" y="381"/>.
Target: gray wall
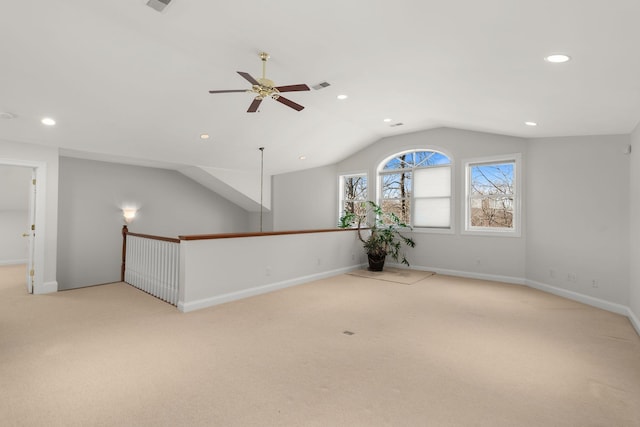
<point x="634" y="297"/>
<point x="14" y="213"/>
<point x="91" y="197"/>
<point x="497" y="257"/>
<point x="578" y="214"/>
<point x="576" y="210"/>
<point x="305" y="200"/>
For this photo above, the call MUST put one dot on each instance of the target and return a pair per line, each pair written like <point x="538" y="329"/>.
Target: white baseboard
<point x="186" y="307"/>
<point x="46" y="288"/>
<point x="13" y="261"/>
<point x="633" y="319"/>
<point x="467" y="274"/>
<point x="575" y="296"/>
<point x="585" y="299"/>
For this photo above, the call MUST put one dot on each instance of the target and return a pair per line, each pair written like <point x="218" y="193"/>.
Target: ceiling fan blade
<point x="248" y="77"/>
<point x="227" y="91"/>
<point x="292" y="88"/>
<point x="254" y="105"/>
<point x="289" y="103"/>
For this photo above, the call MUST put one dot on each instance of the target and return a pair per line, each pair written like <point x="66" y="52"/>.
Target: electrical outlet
<point x="572" y="277"/>
<point x="594" y="283"/>
<point x="478" y="261"/>
<point x="552" y="273"/>
<point x="268" y="271"/>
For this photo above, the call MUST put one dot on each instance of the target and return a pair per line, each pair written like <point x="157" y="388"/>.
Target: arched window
<point x="416" y="186"/>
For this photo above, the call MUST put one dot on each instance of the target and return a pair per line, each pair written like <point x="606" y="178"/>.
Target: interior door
<point x="31" y="232"/>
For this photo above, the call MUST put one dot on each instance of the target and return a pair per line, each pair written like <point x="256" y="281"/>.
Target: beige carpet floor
<point x="344" y="351"/>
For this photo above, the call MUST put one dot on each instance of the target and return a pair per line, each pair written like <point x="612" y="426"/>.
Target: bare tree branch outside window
<point x="397" y="183"/>
<point x="491" y="198"/>
<point x="354" y="194"/>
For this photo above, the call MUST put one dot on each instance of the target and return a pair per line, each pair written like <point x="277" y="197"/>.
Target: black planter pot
<point x="376" y="263"/>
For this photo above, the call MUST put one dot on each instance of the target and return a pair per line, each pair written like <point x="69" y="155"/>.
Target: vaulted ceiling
<point x="123" y="80"/>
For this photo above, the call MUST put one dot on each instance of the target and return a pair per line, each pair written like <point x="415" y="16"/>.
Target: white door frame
<point x="36" y="253"/>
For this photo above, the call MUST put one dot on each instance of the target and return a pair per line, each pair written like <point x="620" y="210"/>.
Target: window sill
<point x="428" y="230"/>
<point x="492" y="233"/>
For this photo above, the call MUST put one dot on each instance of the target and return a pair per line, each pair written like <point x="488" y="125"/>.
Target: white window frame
<point x="452" y="198"/>
<point x="516" y="230"/>
<point x="341" y="179"/>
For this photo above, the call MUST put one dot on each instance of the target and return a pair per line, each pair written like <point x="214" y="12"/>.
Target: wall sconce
<point x="129" y="214"/>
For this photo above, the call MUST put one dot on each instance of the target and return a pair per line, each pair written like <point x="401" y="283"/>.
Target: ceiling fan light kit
<point x="265" y="88"/>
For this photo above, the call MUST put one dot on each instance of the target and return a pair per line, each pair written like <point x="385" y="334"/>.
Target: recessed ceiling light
<point x="341" y="97"/>
<point x="531" y="123"/>
<point x="204" y="136"/>
<point x="303" y="157"/>
<point x="557" y="58"/>
<point x="48" y="121"/>
<point x="386" y="120"/>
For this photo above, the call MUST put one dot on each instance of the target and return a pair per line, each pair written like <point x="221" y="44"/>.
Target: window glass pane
<point x="353" y="194"/>
<point x="494" y="212"/>
<point x="392" y="164"/>
<point x="492" y="179"/>
<point x="432" y="212"/>
<point x="406" y="159"/>
<point x="402" y="161"/>
<point x="439" y="159"/>
<point x="355" y="188"/>
<point x="430" y="158"/>
<point x="491" y="191"/>
<point x="432" y="182"/>
<point x="396" y="185"/>
<point x="402" y="208"/>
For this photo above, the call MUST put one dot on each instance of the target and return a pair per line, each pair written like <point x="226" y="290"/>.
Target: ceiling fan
<point x="264" y="88"/>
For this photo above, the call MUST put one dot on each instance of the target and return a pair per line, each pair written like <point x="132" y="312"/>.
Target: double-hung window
<point x="416" y="186"/>
<point x="493" y="196"/>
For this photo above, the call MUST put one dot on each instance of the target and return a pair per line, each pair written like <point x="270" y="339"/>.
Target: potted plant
<point x="385" y="236"/>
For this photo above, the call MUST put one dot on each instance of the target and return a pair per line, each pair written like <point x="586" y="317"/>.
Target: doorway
<point x="21" y="217"/>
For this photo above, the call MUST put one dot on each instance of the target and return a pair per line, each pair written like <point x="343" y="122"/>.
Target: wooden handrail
<point x="150" y="236"/>
<point x="257" y="234"/>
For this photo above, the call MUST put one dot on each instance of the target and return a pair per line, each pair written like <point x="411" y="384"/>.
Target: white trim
<point x="258" y="290"/>
<point x="466" y="228"/>
<point x="13" y="261"/>
<point x="40" y="218"/>
<point x="466" y="274"/>
<point x="46" y="288"/>
<point x="575" y="296"/>
<point x="432" y="230"/>
<point x="635" y="322"/>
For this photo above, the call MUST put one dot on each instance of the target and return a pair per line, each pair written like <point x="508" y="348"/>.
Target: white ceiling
<point x="122" y="79"/>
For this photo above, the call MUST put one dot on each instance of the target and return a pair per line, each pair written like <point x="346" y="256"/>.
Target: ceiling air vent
<point x="396" y="125"/>
<point x="158" y="5"/>
<point x="321" y="85"/>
